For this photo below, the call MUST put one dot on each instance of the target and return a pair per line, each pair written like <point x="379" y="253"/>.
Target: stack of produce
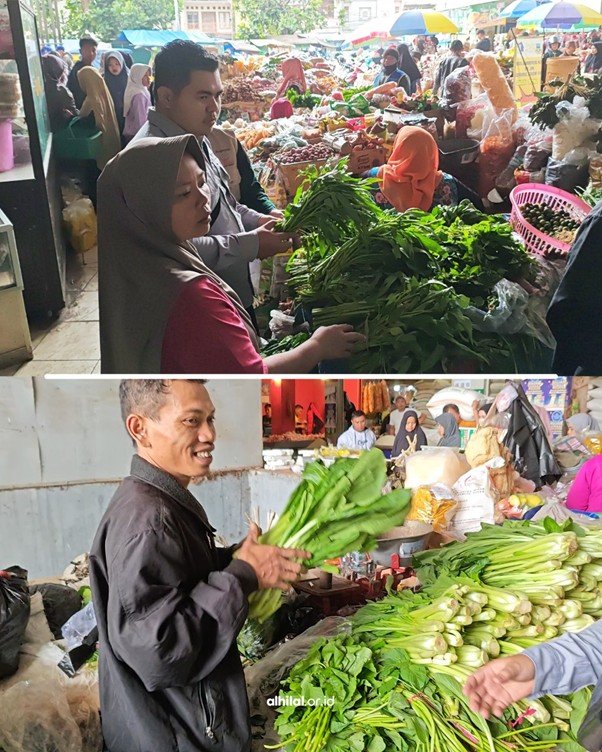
<point x="309" y="153"/>
<point x="415" y="273"/>
<point x="243" y="90"/>
<point x="556" y="223"/>
<point x="397" y="678"/>
<point x="333" y="511"/>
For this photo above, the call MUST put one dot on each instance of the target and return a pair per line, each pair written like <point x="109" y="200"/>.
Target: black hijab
<point x="404" y="437"/>
<point x="117" y="85"/>
<point x="593" y="63"/>
<point x="407" y="63"/>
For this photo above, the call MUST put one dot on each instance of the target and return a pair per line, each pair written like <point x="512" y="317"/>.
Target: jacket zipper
<point x="209" y="718"/>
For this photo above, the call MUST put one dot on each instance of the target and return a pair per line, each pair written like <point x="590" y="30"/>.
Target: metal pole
<point x="523" y="57"/>
<point x="176" y="8"/>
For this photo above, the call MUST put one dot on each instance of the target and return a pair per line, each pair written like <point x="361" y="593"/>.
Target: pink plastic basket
<point x="536" y="193"/>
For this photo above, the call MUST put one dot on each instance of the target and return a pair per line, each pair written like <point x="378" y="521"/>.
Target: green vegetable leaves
<point x="333" y="511"/>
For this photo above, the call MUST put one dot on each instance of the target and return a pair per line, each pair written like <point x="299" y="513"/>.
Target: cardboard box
<point x="361" y="161"/>
<point x="290" y="174"/>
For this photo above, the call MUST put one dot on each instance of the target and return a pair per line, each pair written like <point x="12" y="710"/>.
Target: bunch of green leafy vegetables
<point x="417" y="326"/>
<point x="375" y="699"/>
<point x="590" y="194"/>
<point x="335" y="205"/>
<point x="307" y="99"/>
<point x="351" y="91"/>
<point x="544" y="113"/>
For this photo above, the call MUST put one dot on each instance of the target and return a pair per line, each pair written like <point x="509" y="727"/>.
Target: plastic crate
<point x="536" y="193"/>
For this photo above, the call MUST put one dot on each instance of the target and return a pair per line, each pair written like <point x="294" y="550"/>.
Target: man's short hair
<point x="358" y="414"/>
<point x="450" y="406"/>
<point x="480" y="31"/>
<point x="177" y="60"/>
<point x="145" y="396"/>
<point x="87" y="42"/>
<point x="456" y="46"/>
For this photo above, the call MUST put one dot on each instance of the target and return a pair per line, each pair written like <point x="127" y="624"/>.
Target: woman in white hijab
<point x="137" y="100"/>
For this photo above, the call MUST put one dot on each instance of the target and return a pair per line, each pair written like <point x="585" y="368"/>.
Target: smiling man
<point x="169" y="604"/>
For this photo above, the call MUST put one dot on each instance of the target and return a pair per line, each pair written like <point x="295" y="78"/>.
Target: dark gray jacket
<point x="169" y="606"/>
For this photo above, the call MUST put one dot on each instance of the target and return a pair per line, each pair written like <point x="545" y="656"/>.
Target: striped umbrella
<point x="561" y="14"/>
<point x="422" y="22"/>
<point x="410" y="22"/>
<point x="518" y="8"/>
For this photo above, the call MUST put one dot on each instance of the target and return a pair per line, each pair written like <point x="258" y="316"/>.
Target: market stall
<point x="485" y="276"/>
<point x="377" y="579"/>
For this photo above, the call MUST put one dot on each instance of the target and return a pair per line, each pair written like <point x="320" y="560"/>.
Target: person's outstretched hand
<point x="498" y="684"/>
<point x="275" y="567"/>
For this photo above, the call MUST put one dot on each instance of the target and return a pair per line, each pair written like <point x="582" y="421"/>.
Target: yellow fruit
<point x="514" y="500"/>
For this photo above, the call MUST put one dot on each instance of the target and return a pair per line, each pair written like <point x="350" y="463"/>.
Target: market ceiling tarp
<point x="159" y="38"/>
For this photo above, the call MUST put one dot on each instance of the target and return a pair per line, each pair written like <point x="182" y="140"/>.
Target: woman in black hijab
<point x="61" y="105"/>
<point x="593" y="62"/>
<point x="410" y="436"/>
<point x="116" y="76"/>
<point x="408" y="65"/>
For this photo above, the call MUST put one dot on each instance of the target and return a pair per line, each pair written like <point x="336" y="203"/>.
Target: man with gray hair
<point x="169" y="603"/>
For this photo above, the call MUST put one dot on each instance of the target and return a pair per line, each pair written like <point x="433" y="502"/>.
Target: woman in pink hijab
<point x="294" y="75"/>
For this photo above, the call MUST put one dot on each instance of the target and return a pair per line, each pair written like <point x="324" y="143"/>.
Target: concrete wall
<point x="56" y="431"/>
<point x="63" y="450"/>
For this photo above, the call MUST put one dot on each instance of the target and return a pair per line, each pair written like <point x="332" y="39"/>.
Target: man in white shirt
<point x="358" y="436"/>
<point x="396" y="416"/>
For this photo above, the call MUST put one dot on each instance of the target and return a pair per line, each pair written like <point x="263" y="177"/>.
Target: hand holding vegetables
<point x="274" y="567"/>
<point x="498" y="684"/>
<point x="333" y="511"/>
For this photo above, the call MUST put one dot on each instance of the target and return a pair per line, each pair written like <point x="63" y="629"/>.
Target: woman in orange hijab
<point x="411" y="179"/>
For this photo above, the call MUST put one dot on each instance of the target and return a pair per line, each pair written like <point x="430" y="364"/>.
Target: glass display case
<point x="29" y="188"/>
<point x="15" y="339"/>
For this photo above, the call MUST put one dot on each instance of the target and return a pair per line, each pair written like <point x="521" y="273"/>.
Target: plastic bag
<point x="280" y="324"/>
<point x="477" y="498"/>
<point x="457" y="87"/>
<point x="575" y="127"/>
<point x="528" y="444"/>
<point x="43" y="711"/>
<point x="515" y="312"/>
<point x="595" y="171"/>
<point x="434" y="506"/>
<point x="79" y="626"/>
<point x="80" y="219"/>
<point x="469" y="117"/>
<point x="506" y="180"/>
<point x="14" y="614"/>
<point x="567" y="176"/>
<point x="60" y="603"/>
<point x="496" y="150"/>
<point x="494" y="82"/>
<point x="433" y="466"/>
<point x="483" y="446"/>
<point x="280" y="276"/>
<point x="539" y="149"/>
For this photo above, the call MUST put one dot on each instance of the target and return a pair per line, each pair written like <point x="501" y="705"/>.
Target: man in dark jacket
<point x="87" y="51"/>
<point x="449" y="64"/>
<point x="169" y="604"/>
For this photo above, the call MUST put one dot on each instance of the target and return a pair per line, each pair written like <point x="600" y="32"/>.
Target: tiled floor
<point x="69" y="344"/>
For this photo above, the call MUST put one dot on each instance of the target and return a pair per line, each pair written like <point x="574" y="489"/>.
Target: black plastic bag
<point x="60" y="603"/>
<point x="528" y="443"/>
<point x="14" y="615"/>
